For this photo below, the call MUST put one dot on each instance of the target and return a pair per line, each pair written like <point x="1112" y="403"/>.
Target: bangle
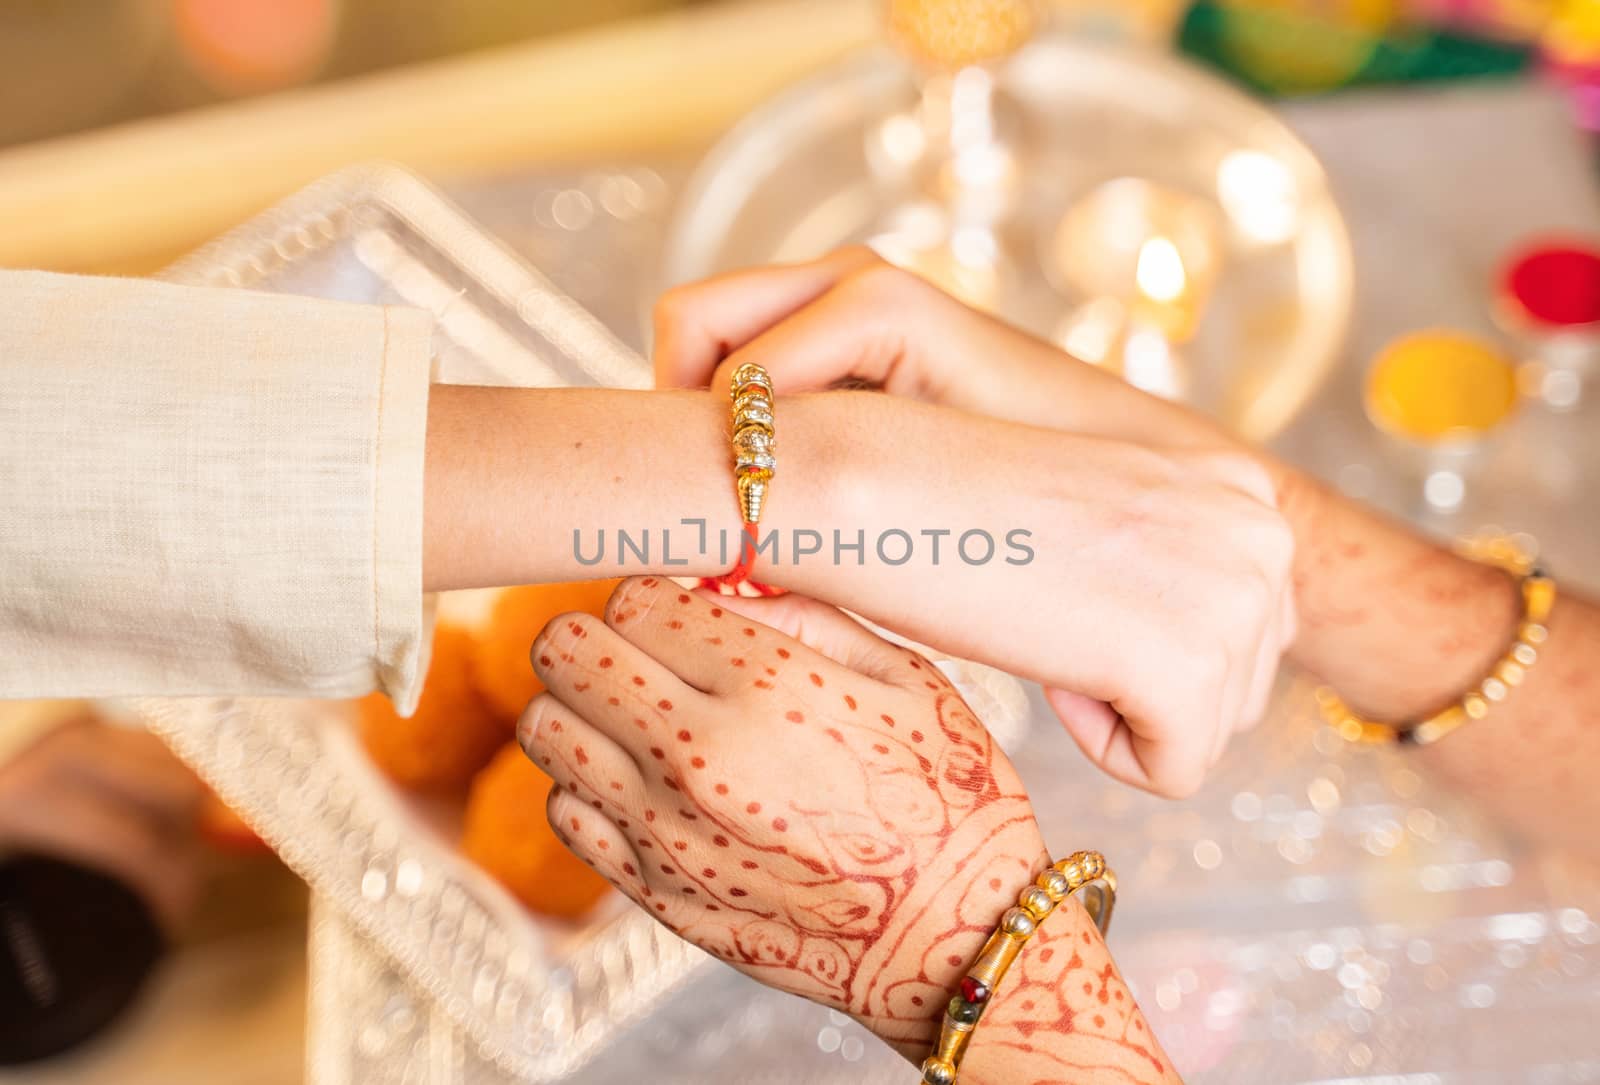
<point x="1083" y="871"/>
<point x="1538" y="597"/>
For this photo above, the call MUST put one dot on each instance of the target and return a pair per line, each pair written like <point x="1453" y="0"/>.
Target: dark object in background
<point x="76" y="948"/>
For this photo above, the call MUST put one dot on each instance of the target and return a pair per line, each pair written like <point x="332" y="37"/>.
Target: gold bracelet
<point x="1083" y="871"/>
<point x="755" y="459"/>
<point x="1538" y="597"/>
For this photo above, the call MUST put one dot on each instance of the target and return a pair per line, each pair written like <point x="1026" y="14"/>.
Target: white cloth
<point x="208" y="492"/>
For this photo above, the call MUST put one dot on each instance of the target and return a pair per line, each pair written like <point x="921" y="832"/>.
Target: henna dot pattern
<point x="829" y="880"/>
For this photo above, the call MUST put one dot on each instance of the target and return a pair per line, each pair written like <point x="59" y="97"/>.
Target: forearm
<point x="1401" y="627"/>
<point x="522" y="483"/>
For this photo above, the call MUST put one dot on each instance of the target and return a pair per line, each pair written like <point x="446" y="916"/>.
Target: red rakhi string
<point x="729" y="582"/>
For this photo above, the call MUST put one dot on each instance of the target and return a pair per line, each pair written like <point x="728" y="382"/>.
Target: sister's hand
<point x="799" y="817"/>
<point x="1157" y="602"/>
<point x="828" y="817"/>
<point x="851" y="317"/>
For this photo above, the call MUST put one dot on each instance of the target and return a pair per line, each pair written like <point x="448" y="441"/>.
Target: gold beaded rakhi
<point x="1083" y="872"/>
<point x="1538" y="593"/>
<point x="754" y="458"/>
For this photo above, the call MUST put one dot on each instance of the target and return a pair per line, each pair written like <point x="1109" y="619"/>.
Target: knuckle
<point x="1196" y="665"/>
<point x="1182" y="781"/>
<point x="1209" y="664"/>
<point x="617" y="602"/>
<point x="1253" y="599"/>
<point x="857" y="255"/>
<point x="1267" y="545"/>
<point x="528" y="723"/>
<point x="1280" y="547"/>
<point x="672" y="305"/>
<point x="547" y="649"/>
<point x="570" y="820"/>
<point x="884" y="282"/>
<point x="540" y="651"/>
<point x="555" y="807"/>
<point x="1254" y="479"/>
<point x="634" y="595"/>
<point x="1243" y="472"/>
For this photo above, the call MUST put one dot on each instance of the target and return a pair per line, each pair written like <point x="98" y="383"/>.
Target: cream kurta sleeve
<point x="208" y="492"/>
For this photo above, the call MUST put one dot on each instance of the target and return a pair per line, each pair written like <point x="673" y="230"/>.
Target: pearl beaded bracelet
<point x="1083" y="871"/>
<point x="1538" y="593"/>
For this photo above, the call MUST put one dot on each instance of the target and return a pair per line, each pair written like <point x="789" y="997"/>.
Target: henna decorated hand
<point x="827" y="816"/>
<point x="800" y="817"/>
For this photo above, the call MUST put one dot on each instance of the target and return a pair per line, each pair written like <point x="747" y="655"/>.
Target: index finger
<point x="698" y="324"/>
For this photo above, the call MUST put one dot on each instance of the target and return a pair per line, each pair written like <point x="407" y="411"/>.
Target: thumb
<point x="1166" y="768"/>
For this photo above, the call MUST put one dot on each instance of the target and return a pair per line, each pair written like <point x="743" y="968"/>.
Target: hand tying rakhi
<point x="826" y="815"/>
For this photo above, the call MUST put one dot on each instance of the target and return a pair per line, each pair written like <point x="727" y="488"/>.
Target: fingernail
<point x="528" y="727"/>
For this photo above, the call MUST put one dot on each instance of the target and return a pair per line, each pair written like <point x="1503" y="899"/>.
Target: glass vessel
<point x="1114" y="199"/>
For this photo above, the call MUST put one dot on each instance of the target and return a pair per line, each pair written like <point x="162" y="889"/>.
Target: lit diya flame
<point x="1155" y="250"/>
<point x="1160" y="272"/>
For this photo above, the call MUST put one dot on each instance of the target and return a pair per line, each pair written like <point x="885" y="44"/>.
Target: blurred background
<point x="75" y="64"/>
<point x="276" y="93"/>
<point x="1365" y="231"/>
<point x="71" y="65"/>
